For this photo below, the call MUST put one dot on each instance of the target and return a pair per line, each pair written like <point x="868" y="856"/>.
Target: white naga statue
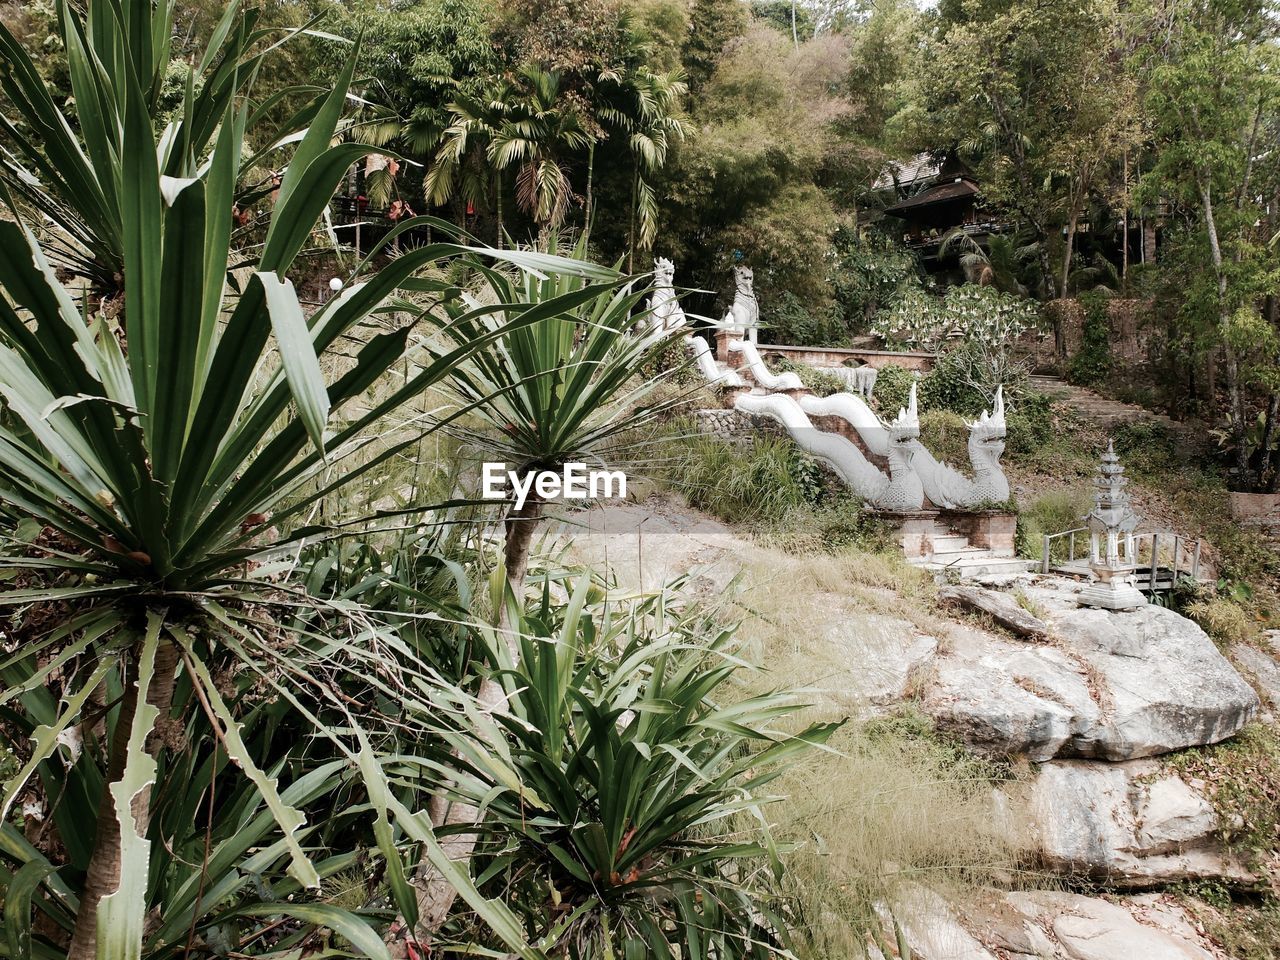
<point x="899" y="492"/>
<point x="760" y="373"/>
<point x="949" y="488"/>
<point x="665" y="313"/>
<point x="707" y="366"/>
<point x="743" y="317"/>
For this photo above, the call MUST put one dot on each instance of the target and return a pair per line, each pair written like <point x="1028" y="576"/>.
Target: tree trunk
<point x="631" y="225"/>
<point x="497" y="196"/>
<point x="1268" y="431"/>
<point x="103" y="875"/>
<point x="588" y="209"/>
<point x="1236" y="398"/>
<point x="435" y="893"/>
<point x="1066" y="257"/>
<point x="1124" y="250"/>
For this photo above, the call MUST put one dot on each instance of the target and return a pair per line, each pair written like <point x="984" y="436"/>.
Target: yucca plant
<point x="626" y="781"/>
<point x="552" y="392"/>
<point x="556" y="391"/>
<point x="154" y="451"/>
<point x="61" y="166"/>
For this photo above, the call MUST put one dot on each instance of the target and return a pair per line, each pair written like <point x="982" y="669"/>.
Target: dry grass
<point x="893" y="807"/>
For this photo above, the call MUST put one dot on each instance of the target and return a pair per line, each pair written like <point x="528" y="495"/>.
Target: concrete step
<point x="977" y="566"/>
<point x="949" y="542"/>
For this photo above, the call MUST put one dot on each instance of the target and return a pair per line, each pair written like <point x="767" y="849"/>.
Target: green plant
<point x="820" y="381"/>
<point x="166" y="449"/>
<point x="893" y="385"/>
<point x="547" y="393"/>
<point x="790" y="322"/>
<point x="1092" y="362"/>
<point x="725" y="479"/>
<point x="626" y="784"/>
<point x="1052" y="513"/>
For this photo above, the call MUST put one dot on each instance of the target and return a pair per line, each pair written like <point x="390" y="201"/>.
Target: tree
<point x="1028" y="92"/>
<point x="537" y="130"/>
<point x="553" y="392"/>
<point x="642" y="109"/>
<point x="1212" y="95"/>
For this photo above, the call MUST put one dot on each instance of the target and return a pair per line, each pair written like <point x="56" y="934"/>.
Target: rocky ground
<point x="1096" y="701"/>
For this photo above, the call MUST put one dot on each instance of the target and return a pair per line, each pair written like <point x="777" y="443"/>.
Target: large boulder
<point x="1262" y="667"/>
<point x="1114" y="685"/>
<point x="1043" y="925"/>
<point x="1133" y="824"/>
<point x="1162" y="683"/>
<point x="1006" y="697"/>
<point x="869" y="660"/>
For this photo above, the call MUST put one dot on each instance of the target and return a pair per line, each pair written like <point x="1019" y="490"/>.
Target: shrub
<point x="822" y="382"/>
<point x="627" y="784"/>
<point x="893" y="384"/>
<point x="1092" y="363"/>
<point x="758" y="480"/>
<point x="1029" y="422"/>
<point x="1053" y="513"/>
<point x="1222" y="618"/>
<point x="788" y="321"/>
<point x="946" y="435"/>
<point x="870" y="273"/>
<point x="976" y="314"/>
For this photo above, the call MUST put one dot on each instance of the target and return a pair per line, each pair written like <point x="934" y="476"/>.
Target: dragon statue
<point x="948" y="487"/>
<point x="707" y="366"/>
<point x="743" y="317"/>
<point x="760" y="373"/>
<point x="945" y="486"/>
<point x="900" y="491"/>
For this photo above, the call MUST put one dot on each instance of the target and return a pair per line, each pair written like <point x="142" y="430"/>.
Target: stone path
<point x="1106" y="413"/>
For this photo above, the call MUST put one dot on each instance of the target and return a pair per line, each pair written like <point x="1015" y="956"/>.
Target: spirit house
<point x="1112" y="552"/>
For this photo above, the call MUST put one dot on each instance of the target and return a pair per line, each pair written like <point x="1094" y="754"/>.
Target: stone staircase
<point x="951" y="553"/>
<point x="1106" y="413"/>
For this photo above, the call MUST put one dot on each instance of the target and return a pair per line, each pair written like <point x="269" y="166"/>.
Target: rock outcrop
<point x="1111" y="685"/>
<point x="1133" y="824"/>
<point x="1041" y="925"/>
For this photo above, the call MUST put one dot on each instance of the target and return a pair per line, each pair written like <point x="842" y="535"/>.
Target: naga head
<point x="904" y="434"/>
<point x="986" y="435"/>
<point x="742" y="279"/>
<point x="664" y="273"/>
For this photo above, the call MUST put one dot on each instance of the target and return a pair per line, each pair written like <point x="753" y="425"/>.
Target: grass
<point x="1242" y="781"/>
<point x="1051" y="513"/>
<point x="946" y="435"/>
<point x="889" y="805"/>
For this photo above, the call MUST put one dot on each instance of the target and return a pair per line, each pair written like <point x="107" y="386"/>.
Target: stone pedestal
<point x="1117" y="593"/>
<point x="734" y="360"/>
<point x="916" y="529"/>
<point x="992" y="530"/>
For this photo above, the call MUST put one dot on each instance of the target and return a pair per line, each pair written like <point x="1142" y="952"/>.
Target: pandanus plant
<point x="152" y="450"/>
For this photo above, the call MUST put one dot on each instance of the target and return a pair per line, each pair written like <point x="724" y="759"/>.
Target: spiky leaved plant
<point x="552" y="392"/>
<point x="154" y="448"/>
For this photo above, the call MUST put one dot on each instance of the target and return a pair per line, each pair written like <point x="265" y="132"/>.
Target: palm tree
<point x="461" y="166"/>
<point x="154" y="451"/>
<point x="539" y="127"/>
<point x="998" y="264"/>
<point x="643" y="107"/>
<point x="550" y="393"/>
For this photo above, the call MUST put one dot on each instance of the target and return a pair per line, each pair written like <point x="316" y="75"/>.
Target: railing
<point x="1148" y="568"/>
<point x="1048" y="544"/>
